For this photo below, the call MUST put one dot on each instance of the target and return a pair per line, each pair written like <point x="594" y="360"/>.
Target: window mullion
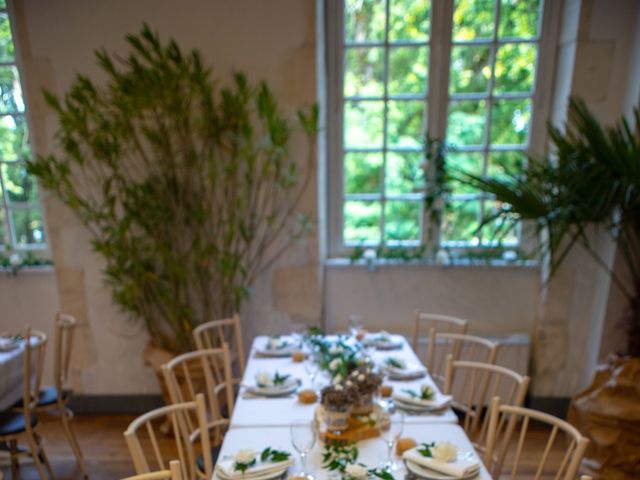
<point x="383" y="171"/>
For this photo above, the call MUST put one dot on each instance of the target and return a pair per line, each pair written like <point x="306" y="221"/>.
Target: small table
<point x="10" y="377"/>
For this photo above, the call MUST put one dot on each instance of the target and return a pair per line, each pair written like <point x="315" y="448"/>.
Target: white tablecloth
<point x="274" y="412"/>
<point x="10" y="377"/>
<point x="372" y="452"/>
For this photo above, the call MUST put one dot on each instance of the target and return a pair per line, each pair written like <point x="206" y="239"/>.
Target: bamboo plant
<point x="591" y="179"/>
<point x="188" y="189"/>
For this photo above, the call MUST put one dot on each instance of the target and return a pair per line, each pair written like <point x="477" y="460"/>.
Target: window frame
<point x="6" y="205"/>
<point x="439" y="44"/>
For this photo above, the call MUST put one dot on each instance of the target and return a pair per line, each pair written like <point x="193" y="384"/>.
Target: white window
<point x="21" y="225"/>
<point x="401" y="70"/>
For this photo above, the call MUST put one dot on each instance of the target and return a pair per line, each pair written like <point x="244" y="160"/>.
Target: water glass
<point x="356" y="323"/>
<point x="303" y="438"/>
<point x="394" y="421"/>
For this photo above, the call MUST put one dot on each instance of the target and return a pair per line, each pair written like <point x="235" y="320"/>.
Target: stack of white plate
<point x="465" y="467"/>
<point x="417" y="405"/>
<point x="287" y="388"/>
<point x="409" y="372"/>
<point x="262" y="471"/>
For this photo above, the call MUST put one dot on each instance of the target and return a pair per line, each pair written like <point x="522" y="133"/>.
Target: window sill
<point x="459" y="263"/>
<point x="29" y="270"/>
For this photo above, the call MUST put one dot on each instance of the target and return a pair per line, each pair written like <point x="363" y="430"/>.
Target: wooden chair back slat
<point x="176" y="415"/>
<point x="481" y="382"/>
<point x="63" y="339"/>
<point x="216" y="333"/>
<point x="500" y="445"/>
<point x="441" y="323"/>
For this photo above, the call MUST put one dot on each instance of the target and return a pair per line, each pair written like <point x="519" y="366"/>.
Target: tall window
<point x="21" y="224"/>
<point x="488" y="52"/>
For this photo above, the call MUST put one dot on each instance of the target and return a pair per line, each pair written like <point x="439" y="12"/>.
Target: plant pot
<point x="607" y="413"/>
<point x="337" y="420"/>
<point x="364" y="406"/>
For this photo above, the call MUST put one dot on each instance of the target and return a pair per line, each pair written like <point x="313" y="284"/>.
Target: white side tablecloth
<point x="10" y="377"/>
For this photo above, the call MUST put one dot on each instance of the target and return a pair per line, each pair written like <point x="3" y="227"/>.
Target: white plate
<point x="9" y="344"/>
<point x="287" y="388"/>
<point x="265" y="476"/>
<point x="428" y="474"/>
<point x="413" y="408"/>
<point x="285" y="351"/>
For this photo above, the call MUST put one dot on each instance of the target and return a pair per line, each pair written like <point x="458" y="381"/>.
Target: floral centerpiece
<point x="366" y="382"/>
<point x="338" y="401"/>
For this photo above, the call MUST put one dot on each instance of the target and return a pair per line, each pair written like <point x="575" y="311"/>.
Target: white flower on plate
<point x="335" y="364"/>
<point x="357" y="472"/>
<point x="275" y="343"/>
<point x="264" y="379"/>
<point x="445" y="452"/>
<point x="245" y="455"/>
<point x="336" y="349"/>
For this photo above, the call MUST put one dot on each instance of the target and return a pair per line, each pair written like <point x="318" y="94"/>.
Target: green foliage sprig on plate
<point x="186" y="188"/>
<point x="280" y="379"/>
<point x="426" y="393"/>
<point x="425" y="449"/>
<point x="272" y="455"/>
<point x="395" y="362"/>
<point x="246" y="459"/>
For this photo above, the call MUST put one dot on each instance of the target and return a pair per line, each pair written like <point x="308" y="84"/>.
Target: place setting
<point x="421" y="400"/>
<point x="8" y="342"/>
<point x="441" y="461"/>
<point x="271" y="385"/>
<point x="277" y="346"/>
<point x="397" y="368"/>
<point x="382" y="341"/>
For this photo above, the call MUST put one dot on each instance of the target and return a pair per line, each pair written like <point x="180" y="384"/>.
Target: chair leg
<point x="36" y="453"/>
<point x="73" y="441"/>
<point x="13" y="451"/>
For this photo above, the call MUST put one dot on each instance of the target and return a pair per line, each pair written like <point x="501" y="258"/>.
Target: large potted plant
<point x="188" y="189"/>
<point x="591" y="179"/>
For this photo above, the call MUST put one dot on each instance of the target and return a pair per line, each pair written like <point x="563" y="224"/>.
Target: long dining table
<point x="260" y="422"/>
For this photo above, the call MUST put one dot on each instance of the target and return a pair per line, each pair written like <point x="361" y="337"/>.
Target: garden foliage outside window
<point x="386" y="87"/>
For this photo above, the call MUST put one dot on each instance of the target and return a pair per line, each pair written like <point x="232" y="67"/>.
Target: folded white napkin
<point x="439" y="401"/>
<point x="226" y="469"/>
<point x="409" y="371"/>
<point x="461" y="467"/>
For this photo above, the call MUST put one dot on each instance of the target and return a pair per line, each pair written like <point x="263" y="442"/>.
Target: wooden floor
<point x="108" y="458"/>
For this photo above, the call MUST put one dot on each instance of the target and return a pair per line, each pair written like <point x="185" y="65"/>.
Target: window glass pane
<point x="404" y="123"/>
<point x="3" y="3"/>
<point x="10" y="91"/>
<point x="27" y="223"/>
<point x="497" y="231"/>
<point x="364" y="72"/>
<point x="502" y="165"/>
<point x="361" y="221"/>
<point x="408" y="70"/>
<point x="6" y="42"/>
<point x="20" y="186"/>
<point x="404" y="172"/>
<point x="409" y="20"/>
<point x="470" y="69"/>
<point x="363" y="124"/>
<point x="362" y="172"/>
<point x="402" y="220"/>
<point x="518" y="18"/>
<point x="510" y="122"/>
<point x="466" y="122"/>
<point x="473" y="19"/>
<point x="468" y="162"/>
<point x="515" y="68"/>
<point x="14" y="142"/>
<point x="364" y="20"/>
<point x="461" y="221"/>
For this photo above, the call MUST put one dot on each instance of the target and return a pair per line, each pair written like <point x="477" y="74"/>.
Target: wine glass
<point x="297" y="333"/>
<point x="312" y="369"/>
<point x="356" y="323"/>
<point x="303" y="438"/>
<point x="391" y="428"/>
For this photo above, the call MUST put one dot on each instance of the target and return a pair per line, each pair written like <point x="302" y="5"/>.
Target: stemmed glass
<point x="355" y="324"/>
<point x="303" y="438"/>
<point x="312" y="370"/>
<point x="297" y="333"/>
<point x="394" y="421"/>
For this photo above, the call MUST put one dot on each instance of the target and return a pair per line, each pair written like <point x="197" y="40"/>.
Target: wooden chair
<point x="501" y="445"/>
<point x="586" y="477"/>
<point x="172" y="474"/>
<point x="461" y="347"/>
<point x="474" y="385"/>
<point x="146" y="429"/>
<point x="441" y="323"/>
<point x="206" y="372"/>
<point x="14" y="424"/>
<point x="215" y="333"/>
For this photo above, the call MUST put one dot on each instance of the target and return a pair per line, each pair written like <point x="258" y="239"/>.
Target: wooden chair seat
<point x="47" y="397"/>
<point x="13" y="423"/>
